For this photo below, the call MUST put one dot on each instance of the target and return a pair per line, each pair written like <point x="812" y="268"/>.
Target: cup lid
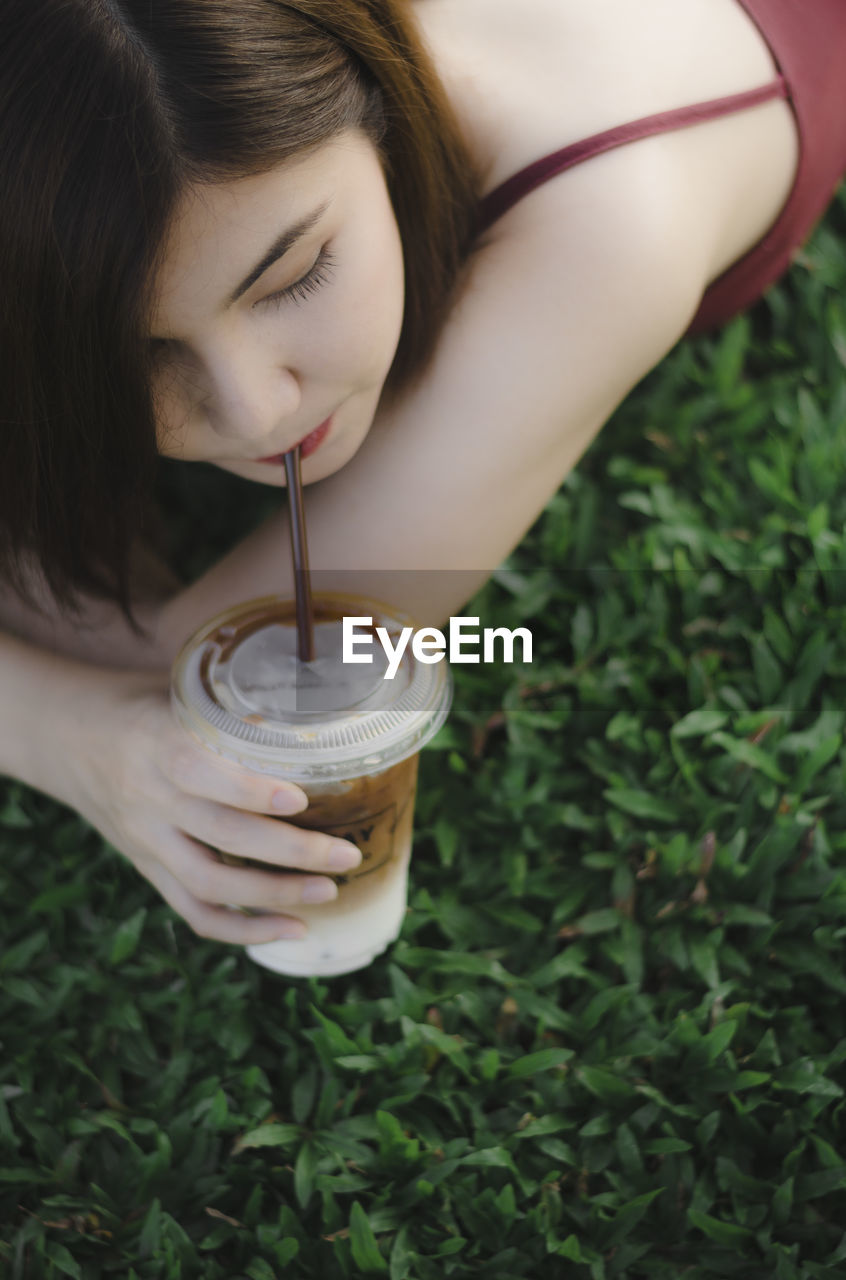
<point x="239" y="688"/>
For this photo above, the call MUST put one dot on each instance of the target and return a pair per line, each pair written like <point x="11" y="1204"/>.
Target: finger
<point x="222" y="924"/>
<point x="250" y="835"/>
<point x="214" y="882"/>
<point x="199" y="773"/>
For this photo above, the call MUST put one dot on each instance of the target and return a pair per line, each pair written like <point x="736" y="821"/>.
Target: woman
<point x="230" y="227"/>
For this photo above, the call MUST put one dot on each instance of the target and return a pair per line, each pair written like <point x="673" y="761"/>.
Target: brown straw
<point x="299" y="555"/>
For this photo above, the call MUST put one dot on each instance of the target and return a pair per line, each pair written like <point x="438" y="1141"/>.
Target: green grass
<point x="611" y="1039"/>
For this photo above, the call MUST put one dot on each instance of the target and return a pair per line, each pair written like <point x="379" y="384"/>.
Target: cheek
<point x="373" y="300"/>
<point x="393" y="274"/>
<point x="381" y="302"/>
<point x="357" y="339"/>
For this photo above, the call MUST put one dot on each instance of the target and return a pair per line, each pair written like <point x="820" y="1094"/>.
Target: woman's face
<point x="277" y="313"/>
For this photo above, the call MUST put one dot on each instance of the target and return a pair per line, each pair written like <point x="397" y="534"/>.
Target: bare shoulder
<point x="577" y="292"/>
<point x="527" y="78"/>
<point x="531" y="78"/>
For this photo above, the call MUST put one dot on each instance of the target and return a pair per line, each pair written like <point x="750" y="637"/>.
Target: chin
<point x="271" y="477"/>
<point x="323" y="464"/>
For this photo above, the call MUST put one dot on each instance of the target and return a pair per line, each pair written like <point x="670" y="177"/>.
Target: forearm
<point x="368" y="536"/>
<point x="418" y="519"/>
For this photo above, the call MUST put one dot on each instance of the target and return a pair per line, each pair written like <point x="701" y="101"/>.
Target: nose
<point x="250" y="402"/>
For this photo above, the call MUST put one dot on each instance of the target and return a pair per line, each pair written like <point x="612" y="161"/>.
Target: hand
<point x="166" y="804"/>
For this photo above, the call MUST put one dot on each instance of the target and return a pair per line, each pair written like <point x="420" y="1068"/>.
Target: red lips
<point x="308" y="444"/>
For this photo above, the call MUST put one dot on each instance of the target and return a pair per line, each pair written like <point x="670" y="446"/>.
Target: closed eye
<point x="317" y="275"/>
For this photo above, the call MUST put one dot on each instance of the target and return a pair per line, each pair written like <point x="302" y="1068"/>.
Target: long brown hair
<point x="108" y="108"/>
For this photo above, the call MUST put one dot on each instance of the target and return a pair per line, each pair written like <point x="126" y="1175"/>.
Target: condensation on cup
<point x="346" y="735"/>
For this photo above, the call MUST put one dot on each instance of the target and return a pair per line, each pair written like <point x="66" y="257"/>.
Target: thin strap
<point x="501" y="199"/>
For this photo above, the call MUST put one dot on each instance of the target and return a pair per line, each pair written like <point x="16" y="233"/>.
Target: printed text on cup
<point x="430" y="645"/>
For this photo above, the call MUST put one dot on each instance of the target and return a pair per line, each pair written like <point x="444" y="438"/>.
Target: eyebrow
<point x="283" y="242"/>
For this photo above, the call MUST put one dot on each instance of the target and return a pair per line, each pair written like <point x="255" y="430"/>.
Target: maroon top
<point x="807" y="39"/>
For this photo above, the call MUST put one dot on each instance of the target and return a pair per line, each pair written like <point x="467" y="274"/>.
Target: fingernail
<point x="343" y="857"/>
<point x="294" y="929"/>
<point x="290" y="800"/>
<point x="319" y="891"/>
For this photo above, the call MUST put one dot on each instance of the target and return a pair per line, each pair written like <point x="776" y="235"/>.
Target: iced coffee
<point x="345" y="734"/>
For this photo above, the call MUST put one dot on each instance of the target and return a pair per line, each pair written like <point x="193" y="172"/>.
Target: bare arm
<point x="549" y="335"/>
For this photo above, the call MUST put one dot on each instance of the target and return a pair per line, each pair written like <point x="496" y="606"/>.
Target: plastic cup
<point x="345" y="734"/>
